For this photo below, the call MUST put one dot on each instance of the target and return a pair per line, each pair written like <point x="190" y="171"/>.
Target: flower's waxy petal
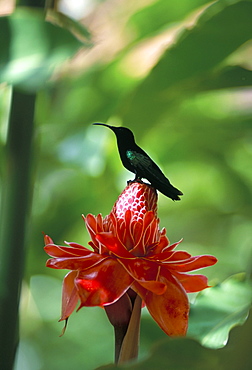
<point x="178" y="255"/>
<point x="151" y="233"/>
<point x="92" y="245"/>
<point x="48" y="240"/>
<point x="145" y="273"/>
<point x="94" y="226"/>
<point x="193" y="263"/>
<point x="148" y="218"/>
<point x="112" y="223"/>
<point x="117" y="228"/>
<point x="163" y="247"/>
<point x="155" y="287"/>
<point x="137" y="230"/>
<point x="147" y="233"/>
<point x="141" y="269"/>
<point x="75" y="263"/>
<point x="75" y="245"/>
<point x="70" y="295"/>
<point x="170" y="310"/>
<point x="163" y="256"/>
<point x="113" y="245"/>
<point x="127" y="238"/>
<point x="172" y="246"/>
<point x="62" y="251"/>
<point x="103" y="284"/>
<point x="163" y="243"/>
<point x="192" y="283"/>
<point x="168" y="256"/>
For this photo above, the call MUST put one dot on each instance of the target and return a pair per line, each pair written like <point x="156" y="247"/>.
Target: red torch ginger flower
<point x="130" y="252"/>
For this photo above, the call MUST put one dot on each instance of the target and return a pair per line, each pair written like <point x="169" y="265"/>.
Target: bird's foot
<point x="136" y="179"/>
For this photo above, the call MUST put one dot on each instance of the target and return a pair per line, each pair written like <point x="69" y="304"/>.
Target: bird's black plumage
<point x="137" y="161"/>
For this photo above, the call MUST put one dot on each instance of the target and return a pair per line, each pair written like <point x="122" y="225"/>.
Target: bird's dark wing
<point x="145" y="166"/>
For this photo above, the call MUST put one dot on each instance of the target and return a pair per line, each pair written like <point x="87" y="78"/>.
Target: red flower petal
<point x="113" y="245"/>
<point x="103" y="284"/>
<point x="163" y="247"/>
<point x="145" y="273"/>
<point x="150" y="223"/>
<point x="70" y="296"/>
<point x="192" y="283"/>
<point x="147" y="233"/>
<point x="94" y="226"/>
<point x="193" y="263"/>
<point x="75" y="263"/>
<point x="155" y="287"/>
<point x="112" y="223"/>
<point x="163" y="243"/>
<point x="170" y="310"/>
<point x="127" y="237"/>
<point x="62" y="251"/>
<point x="172" y="246"/>
<point x="137" y="230"/>
<point x="176" y="256"/>
<point x="141" y="269"/>
<point x="48" y="240"/>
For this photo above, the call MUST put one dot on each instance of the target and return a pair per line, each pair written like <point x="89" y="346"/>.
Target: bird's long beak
<point x="104" y="124"/>
<point x="101" y="124"/>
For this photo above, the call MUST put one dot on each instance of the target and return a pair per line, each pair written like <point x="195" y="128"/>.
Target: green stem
<point x="119" y="314"/>
<point x="16" y="194"/>
<point x="130" y="344"/>
<point x="125" y="316"/>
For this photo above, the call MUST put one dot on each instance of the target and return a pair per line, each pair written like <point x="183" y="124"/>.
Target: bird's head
<point x="122" y="133"/>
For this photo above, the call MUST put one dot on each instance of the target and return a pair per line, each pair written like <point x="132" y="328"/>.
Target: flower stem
<point x="120" y="332"/>
<point x="14" y="211"/>
<point x="130" y="344"/>
<point x="119" y="314"/>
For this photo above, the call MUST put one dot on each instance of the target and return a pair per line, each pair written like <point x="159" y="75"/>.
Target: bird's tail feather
<point x="169" y="190"/>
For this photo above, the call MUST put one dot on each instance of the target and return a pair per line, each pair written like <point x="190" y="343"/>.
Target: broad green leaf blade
<point x="228" y="77"/>
<point x="162" y="13"/>
<point x="186" y="353"/>
<point x="33" y="48"/>
<point x="175" y="354"/>
<point x="229" y="300"/>
<point x="197" y="52"/>
<point x="218" y="309"/>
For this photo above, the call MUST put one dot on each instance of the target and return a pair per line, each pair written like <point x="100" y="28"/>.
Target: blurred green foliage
<point x="185" y="353"/>
<point x="179" y="75"/>
<point x="32" y="49"/>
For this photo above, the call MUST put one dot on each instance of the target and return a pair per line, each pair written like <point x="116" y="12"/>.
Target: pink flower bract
<point x="130" y="252"/>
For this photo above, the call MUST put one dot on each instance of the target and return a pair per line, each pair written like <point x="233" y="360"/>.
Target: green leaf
<point x="197" y="52"/>
<point x="217" y="310"/>
<point x="175" y="354"/>
<point x="32" y="48"/>
<point x="186" y="353"/>
<point x="69" y="24"/>
<point x="162" y="13"/>
<point x="228" y="77"/>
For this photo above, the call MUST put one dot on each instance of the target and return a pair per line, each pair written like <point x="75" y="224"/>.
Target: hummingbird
<point x="136" y="160"/>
